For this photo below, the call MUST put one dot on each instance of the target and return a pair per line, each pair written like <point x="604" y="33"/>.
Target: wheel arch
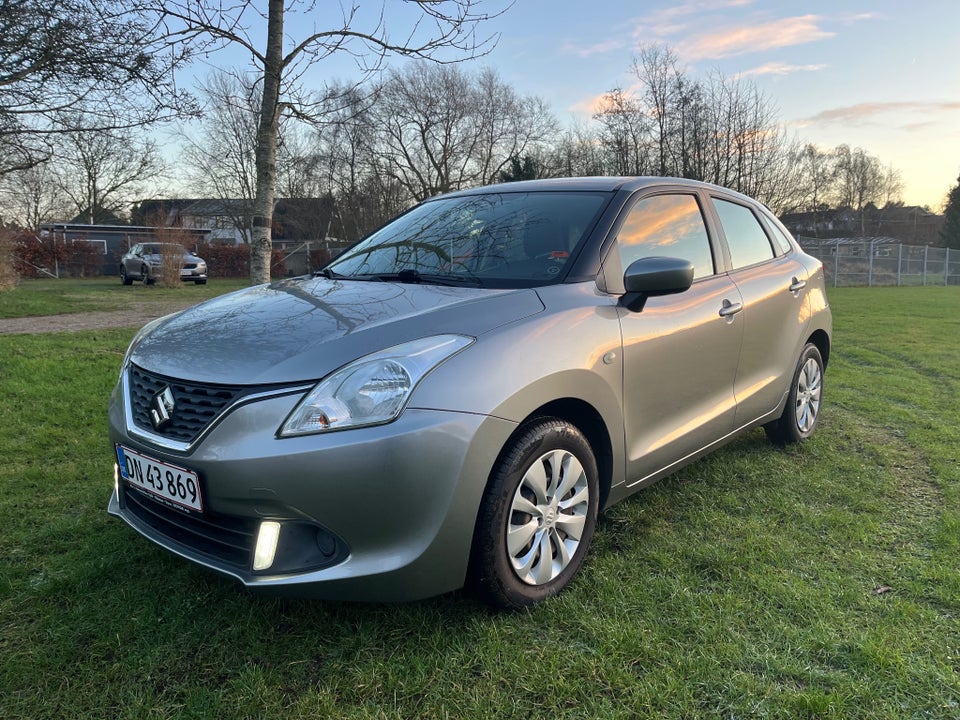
<point x="587" y="419"/>
<point x="822" y="341"/>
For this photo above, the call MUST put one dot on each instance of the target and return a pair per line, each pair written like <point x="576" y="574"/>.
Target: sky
<point x="880" y="75"/>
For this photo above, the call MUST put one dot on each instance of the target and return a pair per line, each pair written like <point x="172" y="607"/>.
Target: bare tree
<point x="347" y="148"/>
<point x="103" y="172"/>
<point x="578" y="152"/>
<point x="442" y="128"/>
<point x="817" y="172"/>
<point x="427" y="29"/>
<point x="657" y="67"/>
<point x="58" y="55"/>
<point x="860" y="180"/>
<point x="624" y="133"/>
<point x="32" y="196"/>
<point x="219" y="157"/>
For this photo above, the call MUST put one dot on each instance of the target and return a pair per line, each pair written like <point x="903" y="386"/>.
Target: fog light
<point x="116" y="479"/>
<point x="266" y="544"/>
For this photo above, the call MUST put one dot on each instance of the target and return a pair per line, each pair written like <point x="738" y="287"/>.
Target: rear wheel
<point x="802" y="411"/>
<point x="145" y="275"/>
<point x="537" y="516"/>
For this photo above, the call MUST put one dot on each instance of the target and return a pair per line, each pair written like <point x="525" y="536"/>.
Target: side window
<point x="746" y="239"/>
<point x="666" y="226"/>
<point x="779" y="239"/>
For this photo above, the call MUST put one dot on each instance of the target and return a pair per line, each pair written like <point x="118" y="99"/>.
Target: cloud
<point x="676" y="18"/>
<point x="864" y="113"/>
<point x="588" y="106"/>
<point x="731" y="41"/>
<point x="779" y="68"/>
<point x="870" y="113"/>
<point x="596" y="49"/>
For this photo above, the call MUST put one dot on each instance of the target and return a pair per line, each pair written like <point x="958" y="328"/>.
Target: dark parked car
<point x="144" y="260"/>
<point x="454" y="399"/>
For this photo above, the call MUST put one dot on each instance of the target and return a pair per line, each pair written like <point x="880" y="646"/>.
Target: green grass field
<point x="821" y="581"/>
<point x="53" y="297"/>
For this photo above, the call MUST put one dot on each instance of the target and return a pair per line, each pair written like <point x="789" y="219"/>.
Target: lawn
<point x="820" y="581"/>
<point x="54" y="297"/>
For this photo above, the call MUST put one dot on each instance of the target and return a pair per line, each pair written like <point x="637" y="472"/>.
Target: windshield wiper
<point x="409" y="275"/>
<point x="328" y="274"/>
<point x="415" y="277"/>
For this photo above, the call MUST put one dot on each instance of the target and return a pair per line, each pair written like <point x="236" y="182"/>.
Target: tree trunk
<point x="261" y="243"/>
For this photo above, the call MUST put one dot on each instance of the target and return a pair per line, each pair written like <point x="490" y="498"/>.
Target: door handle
<point x="797" y="285"/>
<point x="730" y="309"/>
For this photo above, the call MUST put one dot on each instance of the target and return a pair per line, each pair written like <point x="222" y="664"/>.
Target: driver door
<point x="680" y="353"/>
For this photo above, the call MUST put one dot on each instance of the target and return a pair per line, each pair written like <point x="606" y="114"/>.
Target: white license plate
<point x="174" y="484"/>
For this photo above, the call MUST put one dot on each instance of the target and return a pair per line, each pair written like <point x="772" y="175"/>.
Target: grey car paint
<point x="652" y="390"/>
<point x="301" y="329"/>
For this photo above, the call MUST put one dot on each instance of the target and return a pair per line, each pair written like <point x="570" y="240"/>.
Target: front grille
<point x="195" y="405"/>
<point x="229" y="540"/>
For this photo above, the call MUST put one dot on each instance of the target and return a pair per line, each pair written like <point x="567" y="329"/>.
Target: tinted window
<point x="747" y="241"/>
<point x="779" y="239"/>
<point x="498" y="238"/>
<point x="666" y="226"/>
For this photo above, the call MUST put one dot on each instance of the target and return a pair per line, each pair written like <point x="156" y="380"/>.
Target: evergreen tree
<point x="950" y="233"/>
<point x="524" y="169"/>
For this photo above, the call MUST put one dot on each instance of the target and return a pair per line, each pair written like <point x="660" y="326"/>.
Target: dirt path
<point x="136" y="315"/>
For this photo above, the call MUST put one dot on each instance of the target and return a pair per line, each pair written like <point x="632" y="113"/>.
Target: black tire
<point x="802" y="411"/>
<point x="145" y="276"/>
<point x="498" y="573"/>
<point x="124" y="280"/>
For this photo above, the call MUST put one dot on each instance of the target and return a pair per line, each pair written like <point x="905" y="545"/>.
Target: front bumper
<point x="193" y="274"/>
<point x="391" y="507"/>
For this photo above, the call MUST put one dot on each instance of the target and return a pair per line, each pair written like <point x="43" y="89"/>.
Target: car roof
<point x="595" y="183"/>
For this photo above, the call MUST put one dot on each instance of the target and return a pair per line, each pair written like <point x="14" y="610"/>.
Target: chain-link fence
<point x="849" y="262"/>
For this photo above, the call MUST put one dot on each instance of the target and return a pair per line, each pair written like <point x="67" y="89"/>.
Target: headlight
<point x="371" y="390"/>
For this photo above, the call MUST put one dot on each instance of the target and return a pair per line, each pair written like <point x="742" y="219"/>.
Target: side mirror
<point x="653" y="276"/>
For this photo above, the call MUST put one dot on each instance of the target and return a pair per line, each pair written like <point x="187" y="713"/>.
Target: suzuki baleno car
<point x="453" y="400"/>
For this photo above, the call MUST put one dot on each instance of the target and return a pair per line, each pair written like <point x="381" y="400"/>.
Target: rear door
<point x="771" y="281"/>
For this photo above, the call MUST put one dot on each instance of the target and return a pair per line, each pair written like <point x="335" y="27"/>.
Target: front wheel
<point x="537" y="516"/>
<point x="124" y="279"/>
<point x="802" y="411"/>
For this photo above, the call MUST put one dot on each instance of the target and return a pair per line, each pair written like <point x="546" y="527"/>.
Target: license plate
<point x="174" y="484"/>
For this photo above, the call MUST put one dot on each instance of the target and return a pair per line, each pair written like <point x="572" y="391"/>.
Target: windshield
<point x="160" y="248"/>
<point x="497" y="239"/>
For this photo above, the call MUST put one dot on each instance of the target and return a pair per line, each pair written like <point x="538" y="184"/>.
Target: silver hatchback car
<point x="453" y="400"/>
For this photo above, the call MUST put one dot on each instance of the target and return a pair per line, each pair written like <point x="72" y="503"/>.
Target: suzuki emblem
<point x="161" y="408"/>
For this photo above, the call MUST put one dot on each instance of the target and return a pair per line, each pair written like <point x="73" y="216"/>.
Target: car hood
<point x="187" y="256"/>
<point x="302" y="329"/>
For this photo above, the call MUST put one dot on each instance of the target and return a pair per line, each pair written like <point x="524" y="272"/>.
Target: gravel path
<point x="136" y="315"/>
